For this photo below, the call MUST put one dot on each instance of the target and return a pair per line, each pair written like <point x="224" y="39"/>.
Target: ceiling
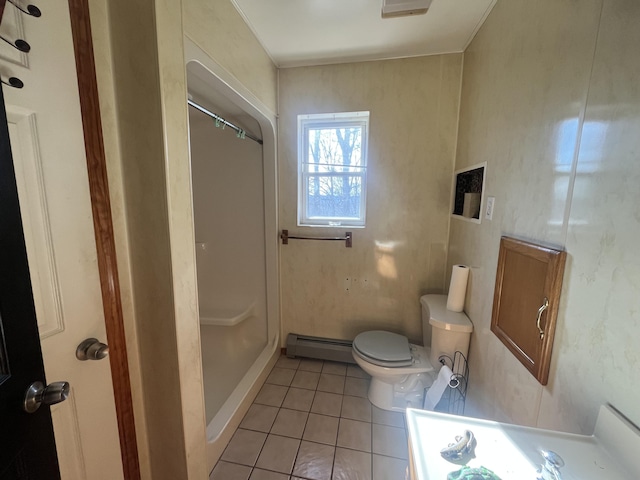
<point x="316" y="32"/>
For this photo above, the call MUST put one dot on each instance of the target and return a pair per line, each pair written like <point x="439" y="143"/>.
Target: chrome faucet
<point x="551" y="468"/>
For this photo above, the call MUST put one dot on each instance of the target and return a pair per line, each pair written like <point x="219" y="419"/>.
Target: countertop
<point x="513" y="452"/>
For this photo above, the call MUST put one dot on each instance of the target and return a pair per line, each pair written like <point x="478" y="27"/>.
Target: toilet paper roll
<point x="471" y="205"/>
<point x="457" y="288"/>
<point x="434" y="394"/>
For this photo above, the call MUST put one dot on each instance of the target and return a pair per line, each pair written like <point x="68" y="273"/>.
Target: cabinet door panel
<point x="525" y="303"/>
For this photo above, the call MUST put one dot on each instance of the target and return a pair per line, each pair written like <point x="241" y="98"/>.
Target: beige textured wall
<point x="218" y="29"/>
<point x="598" y="358"/>
<point x="102" y="38"/>
<point x="179" y="226"/>
<point x="550" y="101"/>
<point x="146" y="255"/>
<point x="401" y="252"/>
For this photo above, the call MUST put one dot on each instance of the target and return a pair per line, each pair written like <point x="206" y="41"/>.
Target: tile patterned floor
<point x="312" y="421"/>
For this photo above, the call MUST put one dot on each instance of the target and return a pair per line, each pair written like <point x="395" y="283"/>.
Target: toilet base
<point x="393" y="397"/>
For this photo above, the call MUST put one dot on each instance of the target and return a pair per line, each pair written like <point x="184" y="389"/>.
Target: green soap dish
<point x="469" y="473"/>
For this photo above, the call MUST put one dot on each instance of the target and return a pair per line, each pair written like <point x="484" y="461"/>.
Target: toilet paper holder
<point x="454" y="398"/>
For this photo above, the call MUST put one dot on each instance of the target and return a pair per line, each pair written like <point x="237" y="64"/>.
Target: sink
<point x="513" y="452"/>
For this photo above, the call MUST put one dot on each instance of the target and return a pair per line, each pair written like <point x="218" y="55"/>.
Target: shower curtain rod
<point x="218" y="118"/>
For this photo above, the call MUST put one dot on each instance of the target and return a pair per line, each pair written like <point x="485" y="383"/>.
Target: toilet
<point x="400" y="371"/>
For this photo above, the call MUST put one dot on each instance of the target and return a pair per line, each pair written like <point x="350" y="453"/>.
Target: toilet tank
<point x="450" y="331"/>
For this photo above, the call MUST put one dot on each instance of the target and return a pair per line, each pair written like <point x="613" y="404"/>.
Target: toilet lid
<point x="390" y="348"/>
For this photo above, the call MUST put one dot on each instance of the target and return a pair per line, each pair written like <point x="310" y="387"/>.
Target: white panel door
<point x="48" y="148"/>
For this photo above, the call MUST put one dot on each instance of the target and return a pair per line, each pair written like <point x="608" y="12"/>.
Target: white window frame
<point x="331" y="120"/>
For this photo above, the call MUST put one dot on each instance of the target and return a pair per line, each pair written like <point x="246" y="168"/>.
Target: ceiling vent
<point x="403" y="8"/>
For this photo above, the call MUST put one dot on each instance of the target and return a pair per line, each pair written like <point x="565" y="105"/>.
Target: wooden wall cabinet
<point x="525" y="302"/>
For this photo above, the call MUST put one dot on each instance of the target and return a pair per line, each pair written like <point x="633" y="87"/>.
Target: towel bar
<point x="348" y="238"/>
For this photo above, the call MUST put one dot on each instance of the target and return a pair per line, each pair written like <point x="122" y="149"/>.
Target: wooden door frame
<point x="104" y="234"/>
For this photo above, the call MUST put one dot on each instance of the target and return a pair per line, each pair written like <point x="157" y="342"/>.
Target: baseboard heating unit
<point x="320" y="348"/>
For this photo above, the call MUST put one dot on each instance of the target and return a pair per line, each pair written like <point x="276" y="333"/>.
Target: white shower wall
<point x="228" y="199"/>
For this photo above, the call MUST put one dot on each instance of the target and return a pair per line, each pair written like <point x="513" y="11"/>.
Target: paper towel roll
<point x="434" y="394"/>
<point x="457" y="288"/>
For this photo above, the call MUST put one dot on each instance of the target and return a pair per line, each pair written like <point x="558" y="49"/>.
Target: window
<point x="332" y="169"/>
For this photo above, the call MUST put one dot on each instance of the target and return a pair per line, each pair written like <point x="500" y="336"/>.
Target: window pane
<point x="334" y="196"/>
<point x="323" y="168"/>
<point x="332" y="168"/>
<point x="334" y="149"/>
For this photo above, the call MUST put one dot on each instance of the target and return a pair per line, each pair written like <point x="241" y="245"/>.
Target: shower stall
<point x="234" y="207"/>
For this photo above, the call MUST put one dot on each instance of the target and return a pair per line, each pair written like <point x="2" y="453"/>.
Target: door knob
<point x="37" y="394"/>
<point x="92" y="349"/>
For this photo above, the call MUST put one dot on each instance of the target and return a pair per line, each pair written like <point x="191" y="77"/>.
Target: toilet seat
<point x="384" y="349"/>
